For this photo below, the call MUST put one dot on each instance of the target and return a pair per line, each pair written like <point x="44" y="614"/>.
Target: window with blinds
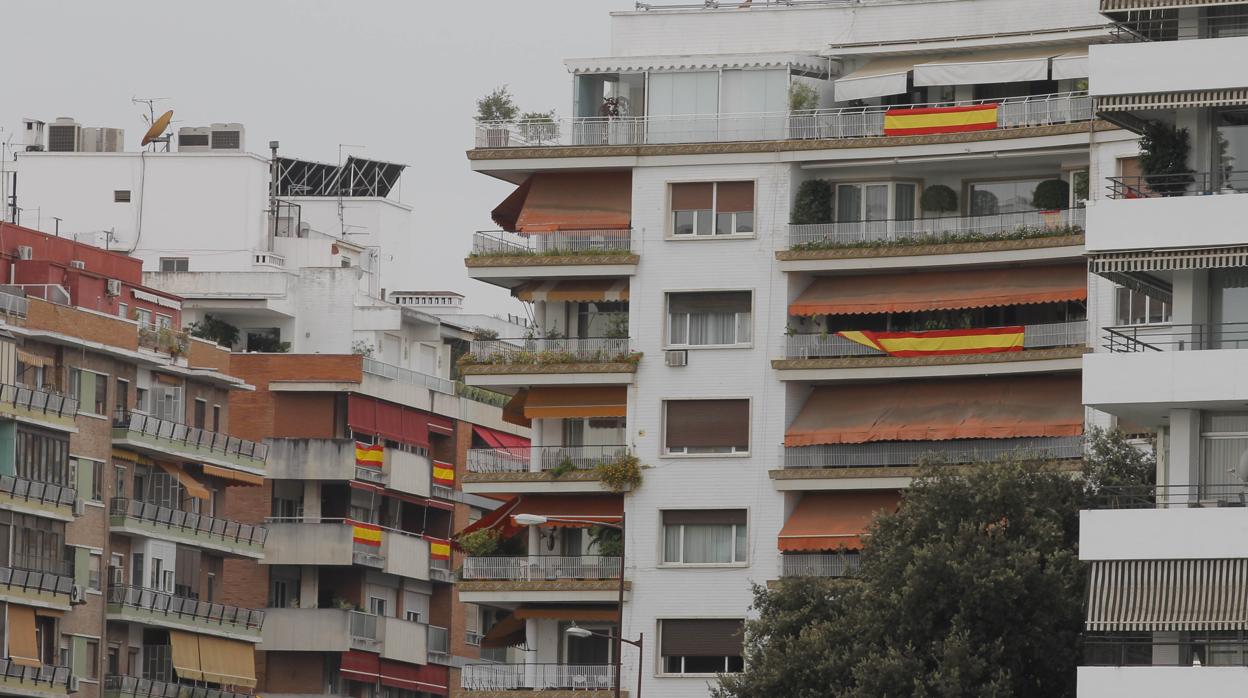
<point x="712" y="209"/>
<point x="705" y="537"/>
<point x="706" y="426"/>
<point x="709" y="319"/>
<point x="701" y="645"/>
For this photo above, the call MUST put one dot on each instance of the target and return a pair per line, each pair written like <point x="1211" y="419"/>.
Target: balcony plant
<point x="620" y="475"/>
<point x="497" y="110"/>
<point x="813" y="203"/>
<point x="803" y="104"/>
<point x="1051" y="195"/>
<point x="564" y="467"/>
<point x="214" y="329"/>
<point x="938" y="199"/>
<point x="538" y="127"/>
<point x="1164" y="152"/>
<point x="484" y="334"/>
<point x="484" y="541"/>
<point x="607" y="541"/>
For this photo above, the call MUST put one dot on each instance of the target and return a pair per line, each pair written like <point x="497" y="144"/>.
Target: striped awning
<point x="574" y="290"/>
<point x="1172" y="100"/>
<point x="1106" y="263"/>
<point x="1128" y="5"/>
<point x="1168" y="595"/>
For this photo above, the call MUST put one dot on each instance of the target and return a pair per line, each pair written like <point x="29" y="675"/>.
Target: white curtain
<point x="712" y="328"/>
<point x="671" y="544"/>
<point x="708" y="543"/>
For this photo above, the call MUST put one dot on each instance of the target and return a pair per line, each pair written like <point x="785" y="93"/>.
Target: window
<point x="122" y="310"/>
<point x="376" y="606"/>
<point x="164" y="322"/>
<point x="93" y="659"/>
<point x="143" y="317"/>
<point x="141" y="400"/>
<point x="1137" y="308"/>
<point x="706" y="426"/>
<point x="101" y="393"/>
<point x="90" y="389"/>
<point x="712" y="208"/>
<point x="121" y="396"/>
<point x="97" y="477"/>
<point x="472" y="624"/>
<point x="216" y="418"/>
<point x="876" y="201"/>
<point x="175" y="264"/>
<point x="712" y="318"/>
<point x="1007" y="196"/>
<point x="93" y="571"/>
<point x="701" y="645"/>
<point x="119" y="480"/>
<point x="121" y="196"/>
<point x="42" y="456"/>
<point x="201" y="413"/>
<point x="704" y="537"/>
<point x="114" y="660"/>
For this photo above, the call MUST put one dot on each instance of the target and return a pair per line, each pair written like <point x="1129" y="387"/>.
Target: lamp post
<point x="577" y="631"/>
<point x="538" y="520"/>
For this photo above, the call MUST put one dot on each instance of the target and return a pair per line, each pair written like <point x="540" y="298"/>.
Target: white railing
<point x="837" y="122"/>
<point x="902" y="453"/>
<point x="406" y="375"/>
<point x="363" y="626"/>
<point x="13" y="304"/>
<point x="520" y="459"/>
<point x="922" y="230"/>
<point x="268" y="259"/>
<point x="587" y="350"/>
<point x="502" y="243"/>
<point x="536" y="568"/>
<point x="811" y="346"/>
<point x="820" y="564"/>
<point x="52" y="293"/>
<point x="514" y="677"/>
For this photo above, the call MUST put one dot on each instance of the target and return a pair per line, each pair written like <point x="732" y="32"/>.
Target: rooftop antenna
<point x="156" y="124"/>
<point x="342" y="224"/>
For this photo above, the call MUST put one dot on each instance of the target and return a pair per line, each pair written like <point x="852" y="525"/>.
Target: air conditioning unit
<point x="98" y="139"/>
<point x="676" y="357"/>
<point x="77" y="264"/>
<point x="194" y="139"/>
<point x="113" y="287"/>
<point x="72" y="684"/>
<point x="64" y="135"/>
<point x="80" y="507"/>
<point x="227" y="137"/>
<point x="25" y="252"/>
<point x="77" y="594"/>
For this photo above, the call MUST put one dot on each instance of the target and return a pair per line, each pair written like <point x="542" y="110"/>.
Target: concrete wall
<point x="1166" y="222"/>
<point x="406" y="556"/>
<point x="1166" y="66"/>
<point x="409" y="472"/>
<point x="311" y="459"/>
<point x="308" y="544"/>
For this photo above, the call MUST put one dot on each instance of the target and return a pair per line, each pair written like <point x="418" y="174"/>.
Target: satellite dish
<point x="158" y="128"/>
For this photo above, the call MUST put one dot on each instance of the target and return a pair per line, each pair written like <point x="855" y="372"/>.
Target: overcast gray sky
<point x="398" y="76"/>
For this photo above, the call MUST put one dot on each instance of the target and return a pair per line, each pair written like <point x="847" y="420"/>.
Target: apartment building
<point x="1164" y="612"/>
<point x="119" y="464"/>
<point x="777" y="254"/>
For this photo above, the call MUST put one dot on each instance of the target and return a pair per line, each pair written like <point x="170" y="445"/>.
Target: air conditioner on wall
<point x="676" y="357"/>
<point x="25" y="252"/>
<point x="77" y="264"/>
<point x="113" y="287"/>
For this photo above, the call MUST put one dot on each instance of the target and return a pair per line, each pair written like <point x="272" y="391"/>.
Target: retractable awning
<point x="185" y="651"/>
<point x="508" y="631"/>
<point x="192" y="486"/>
<point x="500" y="439"/>
<point x="939" y="410"/>
<point x="370" y="668"/>
<point x="826" y="521"/>
<point x="234" y="476"/>
<point x="1013" y="65"/>
<point x="1167" y="595"/>
<point x="213" y="659"/>
<point x="564" y="402"/>
<point x="941" y="290"/>
<point x="1071" y="64"/>
<point x="570" y="613"/>
<point x="513" y="411"/>
<point x="582" y="510"/>
<point x="23" y="645"/>
<point x="573" y="290"/>
<point x="552" y="201"/>
<point x="878" y="78"/>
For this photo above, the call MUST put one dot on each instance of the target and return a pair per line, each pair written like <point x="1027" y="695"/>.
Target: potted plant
<point x="813" y="203"/>
<point x="1051" y="197"/>
<point x="495" y="113"/>
<point x="938" y="199"/>
<point x="1164" y="150"/>
<point x="538" y="127"/>
<point x="803" y="106"/>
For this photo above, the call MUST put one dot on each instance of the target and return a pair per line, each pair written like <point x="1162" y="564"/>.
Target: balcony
<point x="585" y="679"/>
<point x="838" y="124"/>
<point x="332" y="542"/>
<point x="38" y="406"/>
<point x="164" y="340"/>
<point x="39" y="498"/>
<point x="819" y="564"/>
<point x="133" y="517"/>
<point x="161" y="609"/>
<point x="550" y="578"/>
<point x="44" y="583"/>
<point x="18" y="680"/>
<point x="1167" y="522"/>
<point x="538" y="468"/>
<point x="1123" y="70"/>
<point x="162" y="437"/>
<point x="408" y="376"/>
<point x="886" y="465"/>
<point x="341" y="630"/>
<point x="1147" y="213"/>
<point x="561" y="253"/>
<point x="262" y="291"/>
<point x="1144" y="668"/>
<point x="521" y="362"/>
<point x="319" y="459"/>
<point x="131" y="687"/>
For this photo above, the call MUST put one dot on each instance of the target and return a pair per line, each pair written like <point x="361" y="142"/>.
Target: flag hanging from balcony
<point x="915" y="122"/>
<point x="443" y="474"/>
<point x="439" y="549"/>
<point x="990" y="340"/>
<point x="369" y="456"/>
<point x="365" y="533"/>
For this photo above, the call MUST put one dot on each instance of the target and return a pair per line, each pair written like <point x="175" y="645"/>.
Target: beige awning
<point x="1167" y="595"/>
<point x="573" y="290"/>
<point x="23" y="647"/>
<point x="878" y="78"/>
<point x="1173" y="100"/>
<point x="34" y="359"/>
<point x="185" y="650"/>
<point x="227" y="662"/>
<point x="986" y="67"/>
<point x="1071" y="65"/>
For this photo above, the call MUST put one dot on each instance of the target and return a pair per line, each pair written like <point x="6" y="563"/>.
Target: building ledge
<point x="542" y="585"/>
<point x="550" y="260"/>
<point x="867" y="252"/>
<point x="886" y="472"/>
<point x="942" y="360"/>
<point x="505" y="369"/>
<point x="538" y="693"/>
<point x="527" y="476"/>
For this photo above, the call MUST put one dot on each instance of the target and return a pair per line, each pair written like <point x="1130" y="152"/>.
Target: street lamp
<point x="577" y="631"/>
<point x="538" y="520"/>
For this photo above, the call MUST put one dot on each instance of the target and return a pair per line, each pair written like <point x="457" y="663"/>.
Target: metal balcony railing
<point x="191" y="436"/>
<point x="222" y="530"/>
<point x="13" y="305"/>
<point x="500" y="243"/>
<point x="1197" y="496"/>
<point x="50" y="676"/>
<point x="1183" y="184"/>
<point x="903" y="453"/>
<point x="513" y="677"/>
<point x="924" y="230"/>
<point x="43" y="492"/>
<point x="1144" y="651"/>
<point x="38" y="400"/>
<point x="363" y="626"/>
<point x="181" y="606"/>
<point x="1144" y="21"/>
<point x="131" y="687"/>
<point x="1182" y="337"/>
<point x="52" y="293"/>
<point x="405" y="375"/>
<point x="835" y="122"/>
<point x="820" y="565"/>
<point x="519" y="459"/>
<point x="526" y="350"/>
<point x="56" y="578"/>
<point x="813" y="346"/>
<point x="536" y="568"/>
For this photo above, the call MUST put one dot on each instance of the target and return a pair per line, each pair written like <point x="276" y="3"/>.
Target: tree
<point x="498" y="105"/>
<point x="214" y="329"/>
<point x="813" y="203"/>
<point x="1164" y="151"/>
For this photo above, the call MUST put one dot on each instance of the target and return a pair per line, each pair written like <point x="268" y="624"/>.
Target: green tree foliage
<point x="214" y="329"/>
<point x="1051" y="194"/>
<point x="1164" y="151"/>
<point x="813" y="203"/>
<point x="939" y="198"/>
<point x="498" y="105"/>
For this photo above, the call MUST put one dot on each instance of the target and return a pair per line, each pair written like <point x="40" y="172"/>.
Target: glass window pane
<point x="684" y="223"/>
<point x="705" y="543"/>
<point x="1124" y="306"/>
<point x="671" y="544"/>
<point x="680" y="329"/>
<point x="723" y="224"/>
<point x="1137" y="308"/>
<point x="848" y="203"/>
<point x="743" y="328"/>
<point x="704" y="222"/>
<point x="903" y="201"/>
<point x="877" y="202"/>
<point x="745" y="221"/>
<point x="741" y="554"/>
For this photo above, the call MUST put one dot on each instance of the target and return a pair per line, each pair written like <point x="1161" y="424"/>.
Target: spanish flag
<point x="439" y="549"/>
<point x="941" y="342"/>
<point x="369" y="456"/>
<point x="365" y="533"/>
<point x="915" y="122"/>
<point x="444" y="474"/>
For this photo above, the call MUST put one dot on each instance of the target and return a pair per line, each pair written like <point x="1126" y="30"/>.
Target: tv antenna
<point x="156" y="124"/>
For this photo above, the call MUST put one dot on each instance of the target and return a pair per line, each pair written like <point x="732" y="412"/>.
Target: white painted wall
<point x="370" y="222"/>
<point x="1166" y="222"/>
<point x="1165" y="379"/>
<point x="1163" y="534"/>
<point x="1161" y="682"/>
<point x="1167" y="66"/>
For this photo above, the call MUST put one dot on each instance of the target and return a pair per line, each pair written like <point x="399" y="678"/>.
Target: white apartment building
<point x="777" y="253"/>
<point x="1165" y="611"/>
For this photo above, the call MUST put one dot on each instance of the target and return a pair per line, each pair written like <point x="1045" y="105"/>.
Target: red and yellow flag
<point x="365" y="533"/>
<point x="914" y="122"/>
<point x="443" y="474"/>
<point x="936" y="342"/>
<point x="369" y="456"/>
<point x="439" y="549"/>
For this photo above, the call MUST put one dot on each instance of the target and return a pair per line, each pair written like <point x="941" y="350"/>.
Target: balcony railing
<point x="836" y="122"/>
<point x="1195" y="496"/>
<point x="191" y="436"/>
<point x="223" y="530"/>
<point x="928" y="230"/>
<point x="57" y="577"/>
<point x="537" y="568"/>
<point x="820" y="565"/>
<point x="572" y="350"/>
<point x="439" y="644"/>
<point x="519" y="459"/>
<point x="165" y="340"/>
<point x="13" y="305"/>
<point x="1185" y="184"/>
<point x="38" y="400"/>
<point x="50" y="676"/>
<point x="131" y="687"/>
<point x="52" y="293"/>
<point x="514" y="677"/>
<point x="1142" y="25"/>
<point x="363" y="626"/>
<point x="168" y="604"/>
<point x="905" y="453"/>
<point x="42" y="492"/>
<point x="500" y="243"/>
<point x="1144" y="651"/>
<point x="405" y="375"/>
<point x="1185" y="337"/>
<point x="813" y="346"/>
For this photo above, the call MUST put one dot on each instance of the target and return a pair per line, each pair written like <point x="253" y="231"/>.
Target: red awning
<point x="508" y="631"/>
<point x="551" y="201"/>
<point x="441" y="425"/>
<point x="585" y="509"/>
<point x="367" y="667"/>
<point x="832" y="520"/>
<point x="402" y="496"/>
<point x="500" y="439"/>
<point x="390" y="421"/>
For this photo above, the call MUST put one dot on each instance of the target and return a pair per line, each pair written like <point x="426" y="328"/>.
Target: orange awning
<point x="508" y="631"/>
<point x="941" y="290"/>
<point x="938" y="410"/>
<point x="571" y="613"/>
<point x="573" y="290"/>
<point x="831" y="520"/>
<point x="583" y="508"/>
<point x="192" y="486"/>
<point x="23" y="646"/>
<point x="564" y="402"/>
<point x="551" y="201"/>
<point x="235" y="476"/>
